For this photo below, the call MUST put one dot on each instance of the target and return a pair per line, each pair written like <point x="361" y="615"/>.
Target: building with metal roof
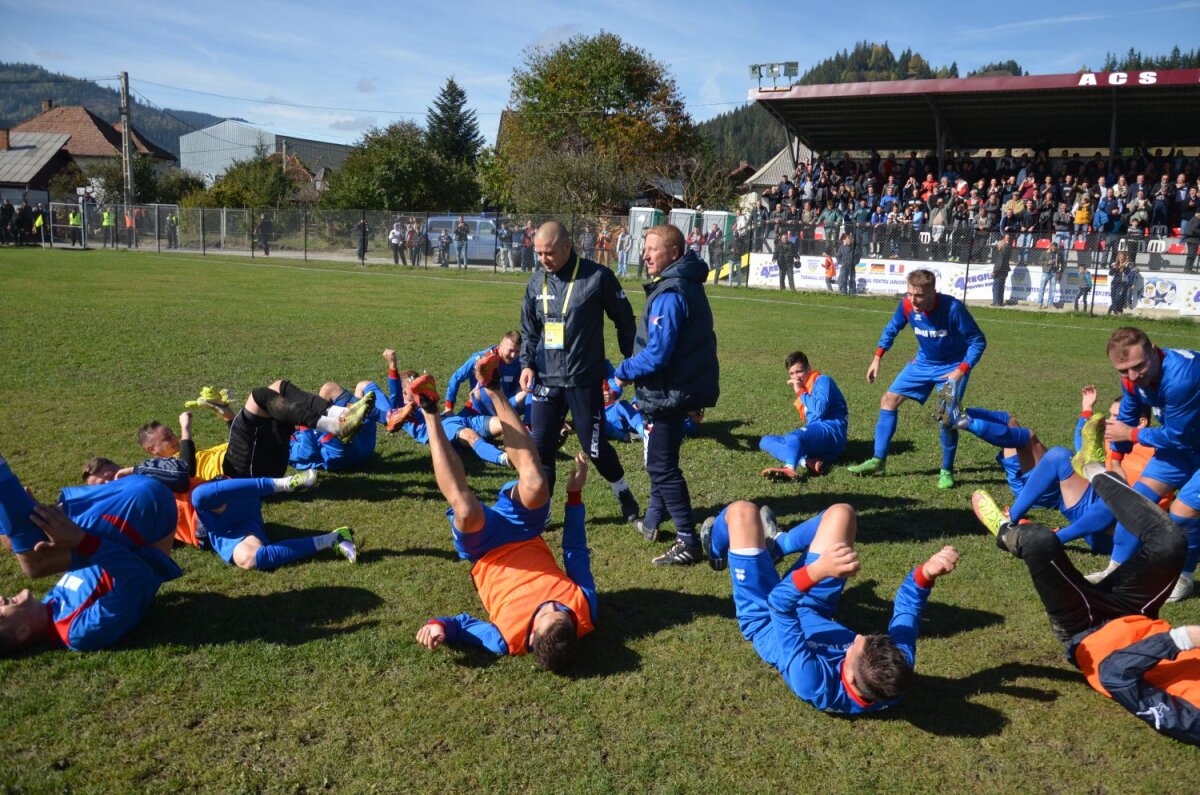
<point x="92" y="138"/>
<point x="28" y="161"/>
<point x="211" y="151"/>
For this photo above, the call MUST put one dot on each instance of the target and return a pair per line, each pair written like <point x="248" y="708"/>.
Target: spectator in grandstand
<point x="1161" y="196"/>
<point x="1191" y="242"/>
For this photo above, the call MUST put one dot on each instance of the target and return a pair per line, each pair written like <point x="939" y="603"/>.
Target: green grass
<point x="309" y="678"/>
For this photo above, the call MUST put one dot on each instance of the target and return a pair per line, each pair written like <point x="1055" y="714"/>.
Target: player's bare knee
<point x="890" y="401"/>
<point x="361" y="388"/>
<point x="842" y="518"/>
<point x="330" y="390"/>
<point x="276" y="385"/>
<point x="745" y="525"/>
<point x="467" y="436"/>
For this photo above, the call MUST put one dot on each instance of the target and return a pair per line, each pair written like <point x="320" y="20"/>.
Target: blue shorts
<point x="918" y="378"/>
<point x="475" y="421"/>
<point x="241" y="518"/>
<point x="1076" y="511"/>
<point x="504" y="522"/>
<point x="1050" y="498"/>
<point x="753" y="577"/>
<point x="1174" y="467"/>
<point x="1189" y="493"/>
<point x="133" y="511"/>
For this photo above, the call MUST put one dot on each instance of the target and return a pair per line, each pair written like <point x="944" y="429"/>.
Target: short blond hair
<point x="669" y="235"/>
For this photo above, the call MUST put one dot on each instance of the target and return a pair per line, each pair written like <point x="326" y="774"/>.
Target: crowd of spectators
<point x="904" y="208"/>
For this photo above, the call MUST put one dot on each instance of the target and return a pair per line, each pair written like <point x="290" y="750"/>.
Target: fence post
<point x="203" y="248"/>
<point x="157" y="240"/>
<point x="250" y="232"/>
<point x="967" y="263"/>
<point x="306" y="233"/>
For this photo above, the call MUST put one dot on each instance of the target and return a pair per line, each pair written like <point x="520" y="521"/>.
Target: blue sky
<point x="370" y="63"/>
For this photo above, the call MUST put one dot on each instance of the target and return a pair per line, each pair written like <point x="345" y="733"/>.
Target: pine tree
<point x="451" y="130"/>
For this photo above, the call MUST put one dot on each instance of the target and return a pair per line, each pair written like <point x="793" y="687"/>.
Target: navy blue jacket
<point x="674" y="362"/>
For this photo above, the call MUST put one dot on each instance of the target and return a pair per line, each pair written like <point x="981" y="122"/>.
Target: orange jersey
<point x="1131" y="467"/>
<point x="185" y="525"/>
<point x="1179" y="677"/>
<point x="515" y="579"/>
<point x="805" y="389"/>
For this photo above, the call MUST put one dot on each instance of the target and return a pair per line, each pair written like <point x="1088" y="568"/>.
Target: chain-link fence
<point x="408" y="239"/>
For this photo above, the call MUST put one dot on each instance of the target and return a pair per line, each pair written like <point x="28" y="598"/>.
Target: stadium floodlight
<point x="774" y="71"/>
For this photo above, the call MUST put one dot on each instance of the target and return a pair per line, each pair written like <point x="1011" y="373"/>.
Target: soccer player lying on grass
<point x="172" y="473"/>
<point x="1055" y="480"/>
<point x="226" y="515"/>
<point x="316" y="449"/>
<point x="535" y="607"/>
<point x="622" y="420"/>
<point x="110" y="578"/>
<point x="260" y="434"/>
<point x="472" y="429"/>
<point x="949" y="345"/>
<point x="1111" y="629"/>
<point x="1168" y="383"/>
<point x="509" y="351"/>
<point x="824" y="419"/>
<point x="790" y="620"/>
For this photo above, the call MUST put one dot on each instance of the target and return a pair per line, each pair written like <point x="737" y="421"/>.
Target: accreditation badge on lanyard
<point x="554" y="330"/>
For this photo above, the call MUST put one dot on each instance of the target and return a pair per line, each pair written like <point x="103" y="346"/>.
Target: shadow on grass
<point x="413" y="552"/>
<point x="918" y="525"/>
<point x="943" y="707"/>
<point x="863" y="609"/>
<point x="633" y="613"/>
<point x="859" y="450"/>
<point x="288" y="618"/>
<point x="722" y="432"/>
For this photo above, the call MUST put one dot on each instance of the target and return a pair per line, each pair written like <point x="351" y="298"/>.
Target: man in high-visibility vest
<point x="108" y="227"/>
<point x="75" y="222"/>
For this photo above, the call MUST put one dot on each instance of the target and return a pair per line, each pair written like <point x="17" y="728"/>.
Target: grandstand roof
<point x="1157" y="108"/>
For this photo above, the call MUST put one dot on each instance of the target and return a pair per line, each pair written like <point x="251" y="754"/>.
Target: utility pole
<point x="283" y="160"/>
<point x="126" y="142"/>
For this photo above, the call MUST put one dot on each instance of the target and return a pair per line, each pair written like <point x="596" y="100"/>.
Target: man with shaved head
<point x="562" y="353"/>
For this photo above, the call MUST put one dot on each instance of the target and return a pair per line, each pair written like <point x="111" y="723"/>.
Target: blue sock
<point x="1191" y="534"/>
<point x="999" y="435"/>
<point x="487" y="451"/>
<point x="1095" y="520"/>
<point x="949" y="447"/>
<point x="284" y="552"/>
<point x="1054" y="468"/>
<point x="800" y="537"/>
<point x="784" y="448"/>
<point x="988" y="415"/>
<point x="1125" y="543"/>
<point x="719" y="542"/>
<point x="885" y="429"/>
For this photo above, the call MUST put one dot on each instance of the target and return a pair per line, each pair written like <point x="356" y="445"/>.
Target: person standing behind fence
<point x="462" y="233"/>
<point x="414" y="241"/>
<point x="604" y="246"/>
<point x="361" y="230"/>
<point x="504" y="239"/>
<point x="396" y="241"/>
<point x="527" y="235"/>
<point x="108" y="227"/>
<point x="716" y="250"/>
<point x="1085" y="287"/>
<point x="847" y="280"/>
<point x="264" y="230"/>
<point x="624" y="246"/>
<point x="1052" y="272"/>
<point x="172" y="229"/>
<point x="75" y="222"/>
<point x="444" y="249"/>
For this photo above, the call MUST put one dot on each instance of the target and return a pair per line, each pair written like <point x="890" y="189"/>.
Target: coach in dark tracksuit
<point x="562" y="348"/>
<point x="675" y="368"/>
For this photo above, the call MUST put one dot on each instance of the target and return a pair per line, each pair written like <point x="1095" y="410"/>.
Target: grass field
<point x="309" y="678"/>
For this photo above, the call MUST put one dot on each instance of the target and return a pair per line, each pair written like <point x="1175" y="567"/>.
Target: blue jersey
<point x="510" y="375"/>
<point x="946" y="336"/>
<point x="823" y="402"/>
<point x="134" y="511"/>
<point x="94" y="605"/>
<point x="817" y="644"/>
<point x="1174" y="402"/>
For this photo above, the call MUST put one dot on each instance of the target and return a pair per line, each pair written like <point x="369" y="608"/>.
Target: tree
<point x="595" y="98"/>
<point x="63" y="184"/>
<point x="108" y="176"/>
<point x="175" y="183"/>
<point x="257" y="182"/>
<point x="395" y="169"/>
<point x="450" y="129"/>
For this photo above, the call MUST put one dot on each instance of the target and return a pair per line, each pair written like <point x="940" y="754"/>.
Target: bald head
<point x="552" y="244"/>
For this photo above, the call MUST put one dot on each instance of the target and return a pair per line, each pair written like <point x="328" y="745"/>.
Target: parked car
<point x="481" y="238"/>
